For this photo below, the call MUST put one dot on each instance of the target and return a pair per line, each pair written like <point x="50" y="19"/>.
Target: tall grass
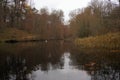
<point x="108" y="41"/>
<point x="15" y="34"/>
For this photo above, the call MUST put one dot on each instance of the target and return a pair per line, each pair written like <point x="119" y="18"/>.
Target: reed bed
<point x="107" y="41"/>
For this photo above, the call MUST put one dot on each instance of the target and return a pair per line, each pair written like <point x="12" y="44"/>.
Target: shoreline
<point x="107" y="41"/>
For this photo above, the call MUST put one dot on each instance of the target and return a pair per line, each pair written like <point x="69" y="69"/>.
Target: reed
<point x="107" y="41"/>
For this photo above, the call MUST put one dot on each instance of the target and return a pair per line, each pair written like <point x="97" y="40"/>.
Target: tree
<point x="12" y="12"/>
<point x="98" y="18"/>
<point x="56" y="19"/>
<point x="17" y="11"/>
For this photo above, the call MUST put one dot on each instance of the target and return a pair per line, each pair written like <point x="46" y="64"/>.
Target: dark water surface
<point x="57" y="60"/>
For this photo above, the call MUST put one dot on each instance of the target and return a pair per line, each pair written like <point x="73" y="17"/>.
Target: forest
<point x="21" y="21"/>
<point x="100" y="17"/>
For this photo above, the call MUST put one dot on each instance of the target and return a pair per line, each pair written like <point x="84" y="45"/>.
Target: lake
<point x="57" y="60"/>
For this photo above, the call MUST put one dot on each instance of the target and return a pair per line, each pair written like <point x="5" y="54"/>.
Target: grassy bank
<point x="14" y="34"/>
<point x="108" y="41"/>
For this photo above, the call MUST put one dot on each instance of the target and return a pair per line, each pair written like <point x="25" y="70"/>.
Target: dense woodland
<point x="99" y="17"/>
<point x="19" y="14"/>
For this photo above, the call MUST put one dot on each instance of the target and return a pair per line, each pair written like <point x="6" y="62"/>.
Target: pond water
<point x="57" y="60"/>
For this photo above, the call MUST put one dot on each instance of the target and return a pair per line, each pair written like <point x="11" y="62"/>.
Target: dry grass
<point x="108" y="41"/>
<point x="13" y="33"/>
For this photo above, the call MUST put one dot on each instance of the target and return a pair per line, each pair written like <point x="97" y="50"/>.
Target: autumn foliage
<point x="99" y="17"/>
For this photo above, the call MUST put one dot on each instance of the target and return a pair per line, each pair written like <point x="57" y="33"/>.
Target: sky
<point x="65" y="5"/>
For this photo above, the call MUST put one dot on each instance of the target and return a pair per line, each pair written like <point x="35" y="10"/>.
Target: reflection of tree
<point x="100" y="64"/>
<point x="14" y="68"/>
<point x="106" y="73"/>
<point x="42" y="56"/>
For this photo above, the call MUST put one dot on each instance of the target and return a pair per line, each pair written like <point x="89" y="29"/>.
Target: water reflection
<point x="68" y="72"/>
<point x="99" y="64"/>
<point x="13" y="69"/>
<point x="57" y="60"/>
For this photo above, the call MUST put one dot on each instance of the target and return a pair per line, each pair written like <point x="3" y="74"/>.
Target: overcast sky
<point x="66" y="5"/>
